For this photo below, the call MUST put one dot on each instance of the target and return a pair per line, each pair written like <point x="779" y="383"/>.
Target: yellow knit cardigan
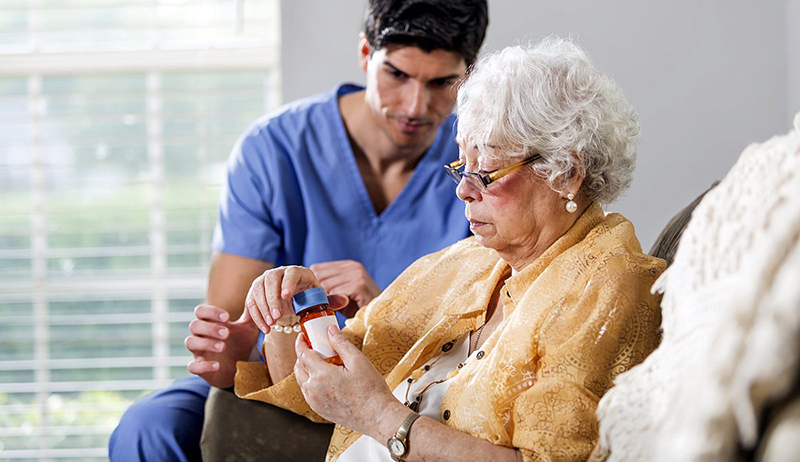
<point x="578" y="316"/>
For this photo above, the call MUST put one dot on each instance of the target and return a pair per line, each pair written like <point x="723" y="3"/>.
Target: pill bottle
<point x="315" y="318"/>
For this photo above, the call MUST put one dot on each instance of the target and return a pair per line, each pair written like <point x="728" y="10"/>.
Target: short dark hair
<point x="451" y="25"/>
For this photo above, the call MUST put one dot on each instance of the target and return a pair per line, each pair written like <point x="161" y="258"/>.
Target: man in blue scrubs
<point x="349" y="183"/>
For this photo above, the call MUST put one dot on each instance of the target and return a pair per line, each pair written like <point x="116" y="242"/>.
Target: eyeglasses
<point x="455" y="170"/>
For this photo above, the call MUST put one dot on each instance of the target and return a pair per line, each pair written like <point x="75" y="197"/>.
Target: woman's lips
<point x="476" y="223"/>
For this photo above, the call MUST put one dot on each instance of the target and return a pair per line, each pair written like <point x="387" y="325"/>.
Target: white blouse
<point x="368" y="449"/>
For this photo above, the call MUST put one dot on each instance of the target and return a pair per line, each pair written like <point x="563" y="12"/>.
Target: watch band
<point x="400" y="438"/>
<point x="405" y="427"/>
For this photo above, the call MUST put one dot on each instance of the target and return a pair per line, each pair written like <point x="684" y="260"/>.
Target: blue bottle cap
<point x="308" y="298"/>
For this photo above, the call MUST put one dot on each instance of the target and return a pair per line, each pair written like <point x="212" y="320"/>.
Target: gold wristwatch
<point x="398" y="446"/>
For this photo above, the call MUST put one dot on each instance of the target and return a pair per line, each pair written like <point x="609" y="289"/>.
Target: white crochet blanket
<point x="731" y="319"/>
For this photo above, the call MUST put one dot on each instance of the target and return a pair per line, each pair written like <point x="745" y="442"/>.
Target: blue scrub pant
<point x="162" y="426"/>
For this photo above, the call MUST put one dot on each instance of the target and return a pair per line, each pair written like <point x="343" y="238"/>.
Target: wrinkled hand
<point x="270" y="295"/>
<point x="353" y="395"/>
<point x="347" y="277"/>
<point x="217" y="344"/>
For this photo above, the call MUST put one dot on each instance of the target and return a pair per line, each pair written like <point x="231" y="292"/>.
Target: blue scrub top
<point x="294" y="196"/>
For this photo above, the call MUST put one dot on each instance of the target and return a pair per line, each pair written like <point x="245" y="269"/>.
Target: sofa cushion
<point x="666" y="243"/>
<point x="237" y="429"/>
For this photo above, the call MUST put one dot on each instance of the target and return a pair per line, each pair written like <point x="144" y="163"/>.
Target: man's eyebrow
<point x="447" y="77"/>
<point x="397" y="69"/>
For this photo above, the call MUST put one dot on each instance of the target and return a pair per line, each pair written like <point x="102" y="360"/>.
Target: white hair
<point x="549" y="98"/>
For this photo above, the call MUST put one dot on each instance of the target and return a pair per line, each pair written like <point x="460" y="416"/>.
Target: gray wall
<point x="707" y="78"/>
<point x="793" y="56"/>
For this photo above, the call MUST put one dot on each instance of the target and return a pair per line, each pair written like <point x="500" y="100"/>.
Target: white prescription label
<point x="317" y="331"/>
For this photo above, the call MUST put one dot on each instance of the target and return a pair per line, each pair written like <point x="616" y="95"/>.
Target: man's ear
<point x="364" y="51"/>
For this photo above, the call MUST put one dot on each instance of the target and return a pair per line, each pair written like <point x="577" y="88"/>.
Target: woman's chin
<point x="483" y="239"/>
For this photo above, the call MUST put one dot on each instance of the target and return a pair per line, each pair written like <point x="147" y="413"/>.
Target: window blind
<point x="116" y="120"/>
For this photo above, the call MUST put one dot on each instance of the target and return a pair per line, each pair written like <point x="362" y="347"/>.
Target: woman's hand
<point x="354" y="395"/>
<point x="357" y="397"/>
<point x="217" y="344"/>
<point x="270" y="295"/>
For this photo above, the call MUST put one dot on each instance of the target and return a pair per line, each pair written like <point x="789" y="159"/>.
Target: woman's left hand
<point x="354" y="396"/>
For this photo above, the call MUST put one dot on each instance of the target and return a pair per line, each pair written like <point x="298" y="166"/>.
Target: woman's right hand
<point x="270" y="295"/>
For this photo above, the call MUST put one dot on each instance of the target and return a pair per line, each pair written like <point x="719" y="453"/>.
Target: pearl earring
<point x="571" y="205"/>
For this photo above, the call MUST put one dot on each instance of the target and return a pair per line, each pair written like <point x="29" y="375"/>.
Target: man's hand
<point x="347" y="277"/>
<point x="217" y="344"/>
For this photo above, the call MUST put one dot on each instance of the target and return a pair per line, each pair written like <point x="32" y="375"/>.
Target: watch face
<point x="396" y="447"/>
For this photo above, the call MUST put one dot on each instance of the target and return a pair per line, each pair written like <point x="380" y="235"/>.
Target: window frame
<point x="41" y="288"/>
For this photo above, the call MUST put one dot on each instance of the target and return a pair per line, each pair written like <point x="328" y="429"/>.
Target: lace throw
<point x="731" y="320"/>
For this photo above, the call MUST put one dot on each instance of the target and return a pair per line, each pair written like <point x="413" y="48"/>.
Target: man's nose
<point x="417" y="100"/>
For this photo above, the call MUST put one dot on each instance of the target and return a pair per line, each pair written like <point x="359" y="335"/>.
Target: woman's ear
<point x="573" y="180"/>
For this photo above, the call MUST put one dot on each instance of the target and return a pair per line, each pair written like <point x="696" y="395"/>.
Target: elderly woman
<point x="503" y="343"/>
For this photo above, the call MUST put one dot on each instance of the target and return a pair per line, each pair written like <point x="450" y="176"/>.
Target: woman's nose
<point x="466" y="191"/>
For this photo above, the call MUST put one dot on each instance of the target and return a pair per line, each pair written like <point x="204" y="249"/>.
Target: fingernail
<point x="268" y="319"/>
<point x="276" y="314"/>
<point x="223" y="317"/>
<point x="223" y="332"/>
<point x="218" y="346"/>
<point x="215" y="366"/>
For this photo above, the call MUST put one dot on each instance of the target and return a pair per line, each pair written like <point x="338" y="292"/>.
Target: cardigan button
<point x="480" y="354"/>
<point x="447" y="347"/>
<point x="446" y="414"/>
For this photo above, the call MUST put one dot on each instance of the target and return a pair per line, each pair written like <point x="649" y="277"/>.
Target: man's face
<point x="411" y="92"/>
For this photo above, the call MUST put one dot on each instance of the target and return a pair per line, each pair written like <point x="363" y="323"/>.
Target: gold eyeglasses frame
<point x="483" y="180"/>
